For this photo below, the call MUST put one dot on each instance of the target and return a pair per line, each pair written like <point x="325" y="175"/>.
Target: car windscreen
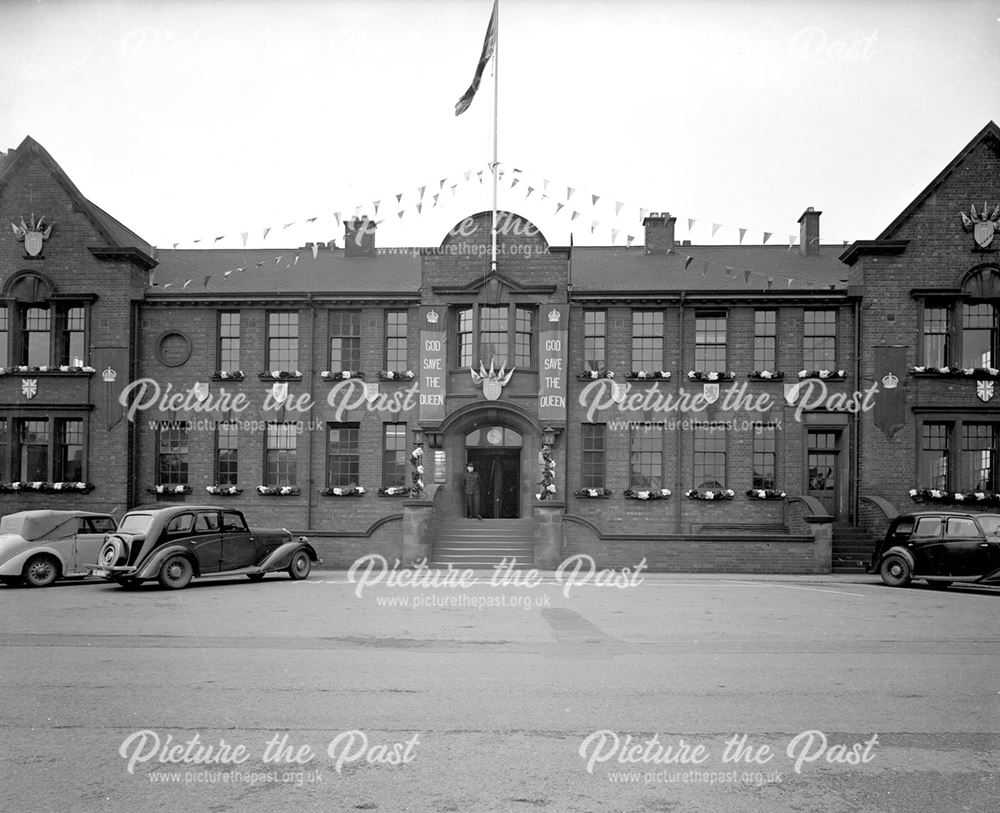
<point x="135" y="523"/>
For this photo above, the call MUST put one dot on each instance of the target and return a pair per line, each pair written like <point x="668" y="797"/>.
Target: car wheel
<point x="300" y="565"/>
<point x="895" y="571"/>
<point x="113" y="552"/>
<point x="936" y="585"/>
<point x="255" y="577"/>
<point x="176" y="573"/>
<point x="40" y="571"/>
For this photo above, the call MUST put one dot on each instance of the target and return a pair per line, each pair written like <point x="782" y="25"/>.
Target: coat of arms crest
<point x="711" y="393"/>
<point x="33" y="234"/>
<point x="982" y="225"/>
<point x="984" y="390"/>
<point x="29" y="387"/>
<point x="493" y="381"/>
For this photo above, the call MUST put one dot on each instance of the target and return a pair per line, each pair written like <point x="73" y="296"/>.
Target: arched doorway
<point x="495" y="451"/>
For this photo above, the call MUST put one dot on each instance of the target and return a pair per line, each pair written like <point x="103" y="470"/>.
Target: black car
<point x="177" y="543"/>
<point x="942" y="547"/>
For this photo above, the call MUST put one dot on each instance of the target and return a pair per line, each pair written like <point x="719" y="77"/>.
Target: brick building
<point x="605" y="377"/>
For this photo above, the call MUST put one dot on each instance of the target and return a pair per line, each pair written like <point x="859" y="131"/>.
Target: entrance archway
<point x="495" y="452"/>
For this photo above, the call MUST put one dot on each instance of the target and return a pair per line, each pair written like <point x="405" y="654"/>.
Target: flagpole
<point x="496" y="105"/>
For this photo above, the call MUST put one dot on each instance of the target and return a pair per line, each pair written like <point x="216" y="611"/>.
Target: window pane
<point x="37" y="337"/>
<point x="709" y="457"/>
<point x="4" y="336"/>
<point x="935" y="337"/>
<point x="229" y="341"/>
<point x="764" y="457"/>
<point x="934" y="456"/>
<point x="592" y="455"/>
<point x="978" y="457"/>
<point x="523" y="336"/>
<point x="394" y="456"/>
<point x="710" y="342"/>
<point x="646" y="458"/>
<point x="342" y="456"/>
<point x="765" y="340"/>
<point x="647" y="341"/>
<point x="493" y="334"/>
<point x="345" y="340"/>
<point x="977" y="335"/>
<point x="34" y="454"/>
<point x="172" y="452"/>
<point x="69" y="450"/>
<point x="594" y="338"/>
<point x="465" y="350"/>
<point x="819" y="342"/>
<point x="283" y="341"/>
<point x="281" y="454"/>
<point x="227" y="453"/>
<point x="395" y="340"/>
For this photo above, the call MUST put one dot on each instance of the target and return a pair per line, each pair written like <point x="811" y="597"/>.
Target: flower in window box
<point x="223" y="491"/>
<point x="647" y="494"/>
<point x="765" y="494"/>
<point x="590" y="493"/>
<point x="711" y="494"/>
<point x="918" y="369"/>
<point x="393" y="491"/>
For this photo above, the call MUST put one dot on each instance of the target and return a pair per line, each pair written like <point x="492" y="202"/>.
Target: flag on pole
<point x="489" y="44"/>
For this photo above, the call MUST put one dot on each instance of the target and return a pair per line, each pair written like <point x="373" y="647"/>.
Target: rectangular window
<point x="523" y="333"/>
<point x="283" y="341"/>
<point x="979" y="442"/>
<point x="936" y="328"/>
<point x="280" y="455"/>
<point x="5" y="450"/>
<point x="647" y="341"/>
<point x="819" y="340"/>
<point x="978" y="335"/>
<point x="646" y="458"/>
<point x="343" y="464"/>
<point x="36" y="337"/>
<point x="595" y="339"/>
<point x="68" y="451"/>
<point x="229" y="341"/>
<point x="493" y="334"/>
<point x="709" y="457"/>
<point x="464" y="325"/>
<point x="764" y="456"/>
<point x="592" y="455"/>
<point x="33" y="454"/>
<point x="345" y="341"/>
<point x="934" y="455"/>
<point x="765" y="342"/>
<point x="394" y="468"/>
<point x="71" y="338"/>
<point x="4" y="336"/>
<point x="710" y="342"/>
<point x="227" y="453"/>
<point x="396" y="324"/>
<point x="172" y="453"/>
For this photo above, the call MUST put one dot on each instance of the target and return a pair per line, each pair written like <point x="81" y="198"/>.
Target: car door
<point x="89" y="539"/>
<point x="962" y="548"/>
<point x="238" y="547"/>
<point x="206" y="542"/>
<point x="925" y="545"/>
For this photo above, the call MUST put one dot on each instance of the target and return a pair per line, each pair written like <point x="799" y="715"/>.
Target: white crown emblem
<point x="432" y="317"/>
<point x="109" y="375"/>
<point x="890" y="381"/>
<point x="554" y="315"/>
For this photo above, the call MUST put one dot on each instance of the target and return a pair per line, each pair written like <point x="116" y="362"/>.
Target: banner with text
<point x="433" y="371"/>
<point x="553" y="361"/>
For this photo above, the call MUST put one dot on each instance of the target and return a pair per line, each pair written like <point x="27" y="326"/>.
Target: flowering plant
<point x="417" y="471"/>
<point x="548" y="481"/>
<point x="281" y="374"/>
<point x="767" y="375"/>
<point x="957" y="372"/>
<point x="333" y="375"/>
<point x="36" y="485"/>
<point x="590" y="493"/>
<point x="710" y="494"/>
<point x="821" y="373"/>
<point x="223" y="491"/>
<point x="46" y="368"/>
<point x="343" y="491"/>
<point x="393" y="491"/>
<point x="765" y="494"/>
<point x="600" y="372"/>
<point x="953" y="497"/>
<point x="164" y="488"/>
<point x="662" y="375"/>
<point x="710" y="375"/>
<point x="228" y="375"/>
<point x="278" y="491"/>
<point x="647" y="494"/>
<point x="396" y="375"/>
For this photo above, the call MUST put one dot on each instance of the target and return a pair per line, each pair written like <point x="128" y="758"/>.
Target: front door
<point x="823" y="467"/>
<point x="500" y="481"/>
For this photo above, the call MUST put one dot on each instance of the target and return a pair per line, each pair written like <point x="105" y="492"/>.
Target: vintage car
<point x="941" y="547"/>
<point x="176" y="543"/>
<point x="38" y="547"/>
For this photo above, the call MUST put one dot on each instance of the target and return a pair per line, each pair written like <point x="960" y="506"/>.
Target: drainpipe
<point x="308" y="435"/>
<point x="856" y="421"/>
<point x="680" y="432"/>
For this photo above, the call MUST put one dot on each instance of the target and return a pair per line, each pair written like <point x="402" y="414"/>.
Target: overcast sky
<point x="193" y="120"/>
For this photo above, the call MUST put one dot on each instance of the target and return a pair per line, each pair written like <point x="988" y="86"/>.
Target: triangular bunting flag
<point x="767" y="236"/>
<point x="687" y="261"/>
<point x="513" y="183"/>
<point x="569" y="192"/>
<point x="441" y="184"/>
<point x="453" y="187"/>
<point x="618" y="207"/>
<point x="315" y="248"/>
<point x="614" y="235"/>
<point x="266" y="232"/>
<point x="400" y="213"/>
<point x="419" y="207"/>
<point x="746" y="276"/>
<point x="175" y="246"/>
<point x="691" y="222"/>
<point x="595" y="198"/>
<point x="715" y="228"/>
<point x="221" y="237"/>
<point x="729" y="271"/>
<point x="468" y="174"/>
<point x="643" y="213"/>
<point x="244" y="235"/>
<point x="574" y="216"/>
<point x="336" y="216"/>
<point x="207" y="278"/>
<point x="376" y="207"/>
<point x="742" y="235"/>
<point x="296" y="260"/>
<point x="770" y="281"/>
<point x="558" y="207"/>
<point x="790" y="281"/>
<point x="185" y="285"/>
<point x="313" y="219"/>
<point x="399" y="197"/>
<point x="530" y="190"/>
<point x="259" y="264"/>
<point x="436" y="196"/>
<point x="593" y="226"/>
<point x="630" y="239"/>
<point x="480" y="176"/>
<point x="167" y="285"/>
<point x="196" y="241"/>
<point x="277" y="259"/>
<point x="287" y="225"/>
<point x="545" y="184"/>
<point x="230" y="271"/>
<point x="421" y="190"/>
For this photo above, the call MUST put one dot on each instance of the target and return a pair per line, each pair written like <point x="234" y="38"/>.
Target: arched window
<point x="40" y="328"/>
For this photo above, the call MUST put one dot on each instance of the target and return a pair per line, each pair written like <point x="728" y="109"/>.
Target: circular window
<point x="173" y="349"/>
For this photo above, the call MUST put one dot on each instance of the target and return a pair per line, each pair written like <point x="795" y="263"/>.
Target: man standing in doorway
<point x="470" y="487"/>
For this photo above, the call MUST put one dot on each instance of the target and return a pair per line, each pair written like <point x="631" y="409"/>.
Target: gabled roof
<point x="991" y="132"/>
<point x="116" y="234"/>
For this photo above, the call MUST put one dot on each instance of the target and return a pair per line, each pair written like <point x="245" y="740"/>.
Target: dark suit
<point x="471" y="490"/>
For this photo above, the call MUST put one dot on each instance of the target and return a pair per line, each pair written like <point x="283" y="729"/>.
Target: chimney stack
<point x="809" y="233"/>
<point x="359" y="237"/>
<point x="659" y="232"/>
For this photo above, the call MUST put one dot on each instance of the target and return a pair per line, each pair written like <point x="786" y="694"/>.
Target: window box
<point x="982" y="373"/>
<point x="338" y="375"/>
<point x="710" y="375"/>
<point x="342" y="491"/>
<point x="396" y="375"/>
<point x="593" y="493"/>
<point x="228" y="375"/>
<point x="588" y="375"/>
<point x="765" y="494"/>
<point x="832" y="375"/>
<point x="644" y="494"/>
<point x="935" y="495"/>
<point x="47" y="369"/>
<point x="711" y="495"/>
<point x="163" y="488"/>
<point x="281" y="375"/>
<point x="642" y="375"/>
<point x="278" y="491"/>
<point x="766" y="375"/>
<point x="47" y="488"/>
<point x="394" y="491"/>
<point x="223" y="491"/>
